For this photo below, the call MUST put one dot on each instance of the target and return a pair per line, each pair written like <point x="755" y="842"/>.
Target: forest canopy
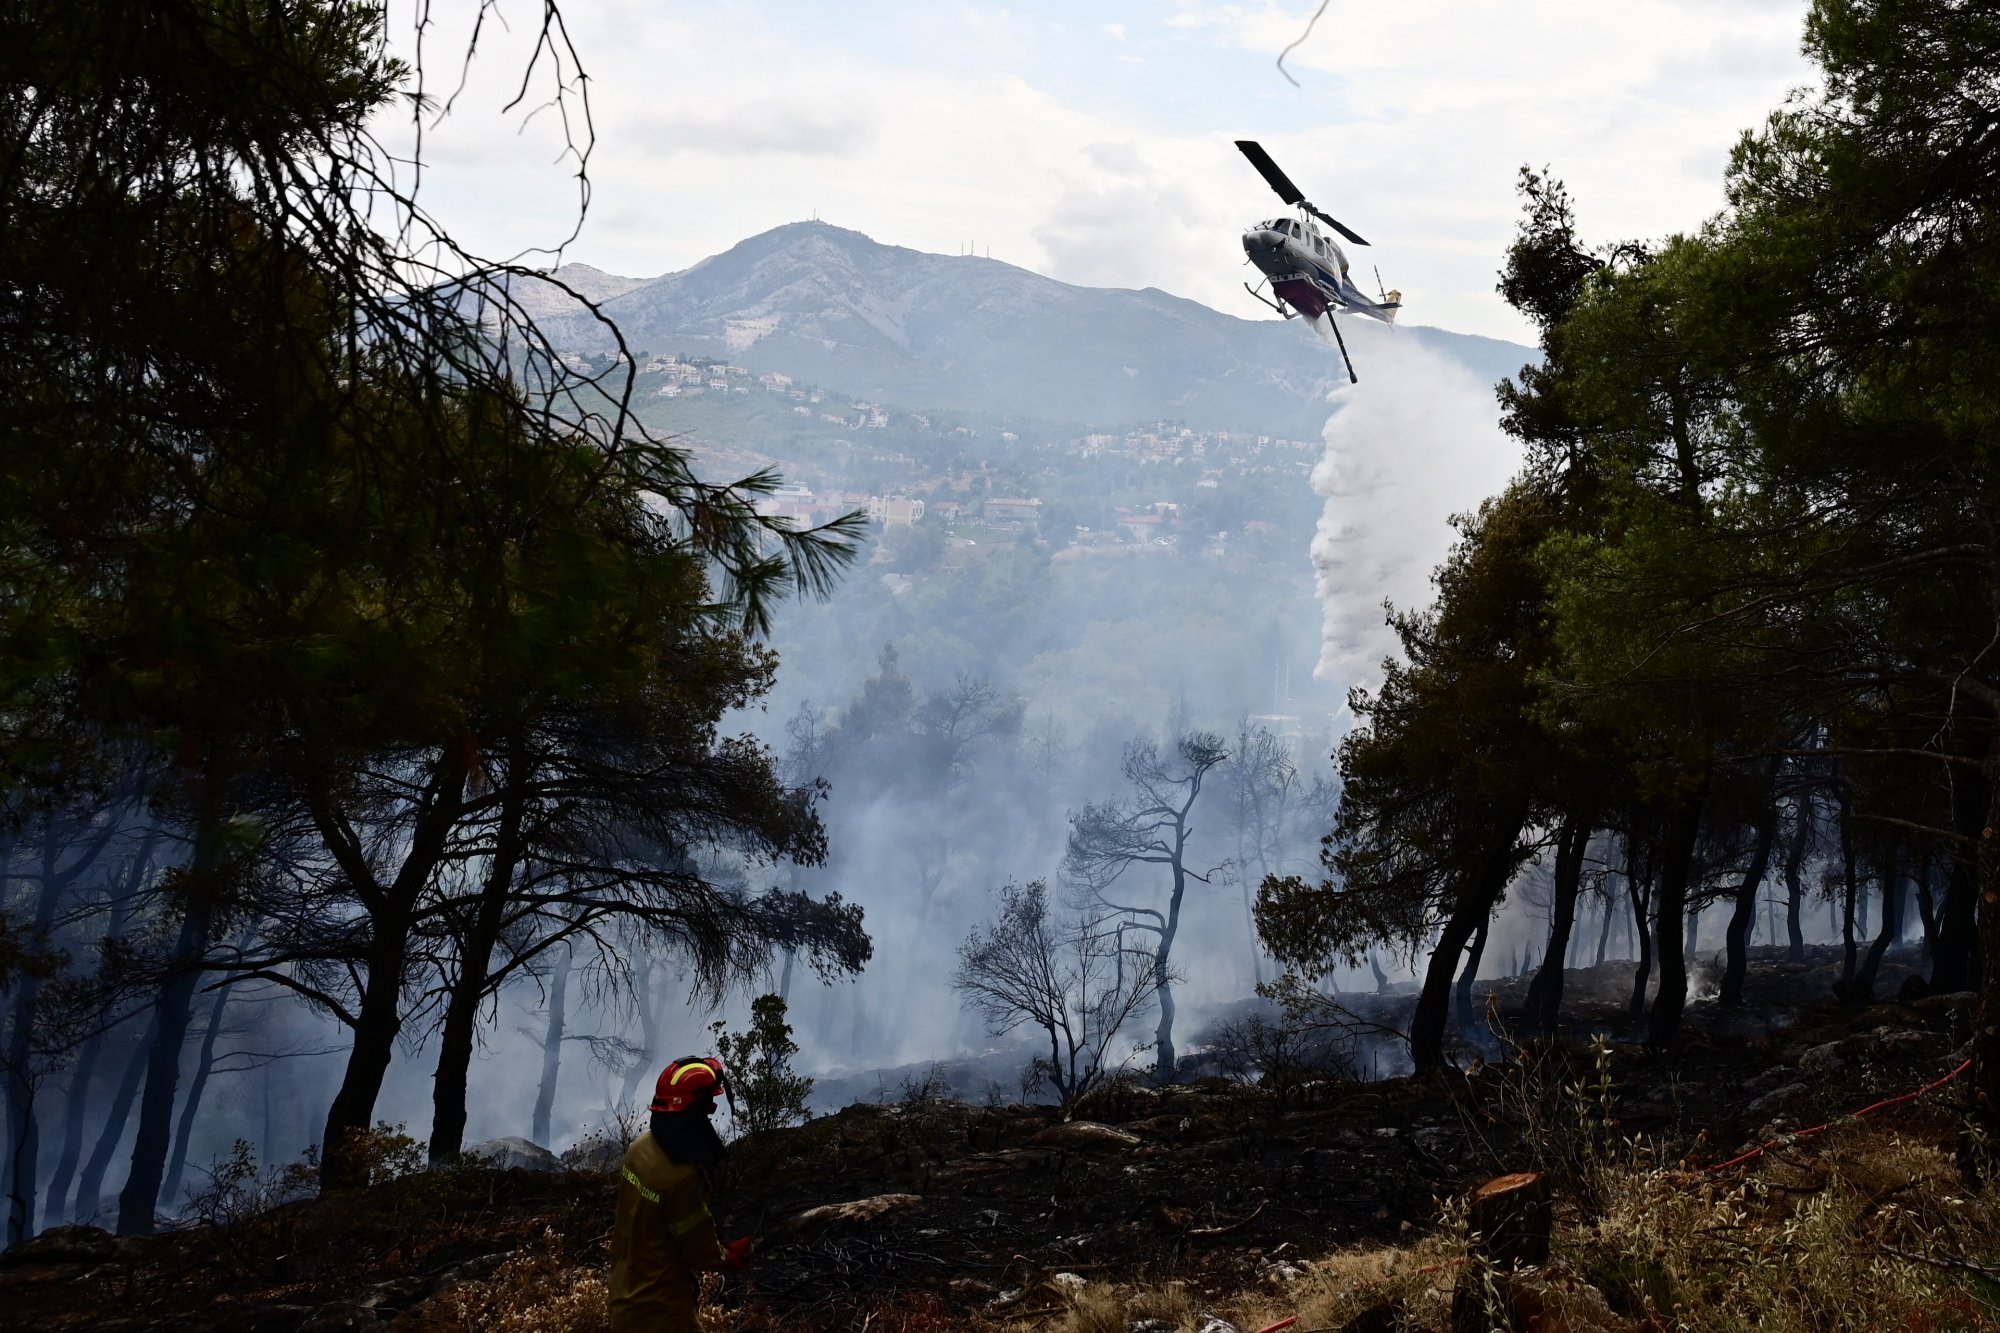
<point x="1741" y="600"/>
<point x="382" y="655"/>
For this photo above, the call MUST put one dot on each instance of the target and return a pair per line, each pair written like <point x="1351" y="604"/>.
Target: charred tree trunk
<point x="90" y="1185"/>
<point x="1740" y="920"/>
<point x="1986" y="1024"/>
<point x="1639" y="888"/>
<point x="1546" y="990"/>
<point x="173" y="1013"/>
<point x="1850" y="881"/>
<point x="1165" y="1064"/>
<point x="1927" y="904"/>
<point x="1956" y="953"/>
<point x="1381" y="977"/>
<point x="469" y="988"/>
<point x="1683" y="828"/>
<point x="392" y="916"/>
<point x="1433" y="1011"/>
<point x="1795" y="856"/>
<point x="1604" y="926"/>
<point x="173" y="1010"/>
<point x="204" y="1063"/>
<point x="77" y="1100"/>
<point x="1461" y="1004"/>
<point x="377" y="1025"/>
<point x="1892" y="924"/>
<point x="649" y="1028"/>
<point x="1471" y="909"/>
<point x="23" y="1132"/>
<point x="552" y="1040"/>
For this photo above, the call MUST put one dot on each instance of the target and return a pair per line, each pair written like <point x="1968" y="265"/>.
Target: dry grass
<point x="1869" y="1231"/>
<point x="537" y="1291"/>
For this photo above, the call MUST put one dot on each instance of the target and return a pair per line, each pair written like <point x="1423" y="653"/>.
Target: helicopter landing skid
<point x="1267" y="301"/>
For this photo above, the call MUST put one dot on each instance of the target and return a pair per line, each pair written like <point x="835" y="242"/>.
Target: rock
<point x="1793" y="1101"/>
<point x="1950" y="1004"/>
<point x="1893" y="1016"/>
<point x="1901" y="1044"/>
<point x="515" y="1154"/>
<point x="596" y="1154"/>
<point x="1890" y="1043"/>
<point x="1830" y="1057"/>
<point x="472" y="1270"/>
<point x="1069" y="1284"/>
<point x="65" y="1245"/>
<point x="1086" y="1134"/>
<point x="857" y="1210"/>
<point x="1777" y="1076"/>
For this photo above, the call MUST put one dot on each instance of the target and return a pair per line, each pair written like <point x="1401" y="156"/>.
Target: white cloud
<point x="933" y="126"/>
<point x="809" y="128"/>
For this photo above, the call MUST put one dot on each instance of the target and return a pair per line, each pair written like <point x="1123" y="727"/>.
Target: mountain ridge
<point x="835" y="307"/>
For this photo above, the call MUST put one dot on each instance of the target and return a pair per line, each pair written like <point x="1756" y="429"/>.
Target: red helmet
<point x="685" y="1082"/>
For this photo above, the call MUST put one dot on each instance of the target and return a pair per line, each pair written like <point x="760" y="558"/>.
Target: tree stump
<point x="1509" y="1217"/>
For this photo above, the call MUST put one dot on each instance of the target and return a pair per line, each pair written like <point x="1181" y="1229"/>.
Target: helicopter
<point x="1306" y="269"/>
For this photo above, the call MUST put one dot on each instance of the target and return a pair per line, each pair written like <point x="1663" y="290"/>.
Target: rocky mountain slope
<point x="545" y="300"/>
<point x="958" y="332"/>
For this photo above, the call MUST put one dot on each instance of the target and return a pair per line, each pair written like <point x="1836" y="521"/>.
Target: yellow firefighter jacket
<point x="664" y="1238"/>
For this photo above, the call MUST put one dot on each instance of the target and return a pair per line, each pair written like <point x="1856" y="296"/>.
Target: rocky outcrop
<point x="515" y="1154"/>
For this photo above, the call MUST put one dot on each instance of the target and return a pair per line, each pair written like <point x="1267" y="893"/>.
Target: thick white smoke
<point x="1415" y="442"/>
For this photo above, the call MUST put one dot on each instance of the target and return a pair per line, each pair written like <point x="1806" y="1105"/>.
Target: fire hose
<point x="1784" y="1139"/>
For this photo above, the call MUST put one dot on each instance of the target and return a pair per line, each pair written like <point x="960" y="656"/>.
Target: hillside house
<point x="1000" y="510"/>
<point x="895" y="511"/>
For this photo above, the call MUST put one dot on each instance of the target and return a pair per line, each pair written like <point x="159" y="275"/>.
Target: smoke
<point x="1415" y="442"/>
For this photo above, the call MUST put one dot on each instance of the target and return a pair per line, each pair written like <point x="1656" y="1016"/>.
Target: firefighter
<point x="665" y="1237"/>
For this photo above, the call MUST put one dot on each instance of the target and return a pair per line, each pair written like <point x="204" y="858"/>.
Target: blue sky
<point x="1093" y="142"/>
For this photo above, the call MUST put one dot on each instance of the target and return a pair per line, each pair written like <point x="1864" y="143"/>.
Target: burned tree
<point x="1066" y="979"/>
<point x="1150" y="827"/>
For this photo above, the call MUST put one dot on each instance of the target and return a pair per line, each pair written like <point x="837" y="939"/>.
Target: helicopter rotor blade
<point x="1330" y="221"/>
<point x="1273" y="174"/>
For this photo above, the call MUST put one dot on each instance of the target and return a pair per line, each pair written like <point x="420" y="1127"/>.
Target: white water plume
<point x="1417" y="441"/>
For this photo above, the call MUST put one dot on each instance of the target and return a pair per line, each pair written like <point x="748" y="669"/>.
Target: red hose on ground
<point x="1866" y="1110"/>
<point x="1286" y="1322"/>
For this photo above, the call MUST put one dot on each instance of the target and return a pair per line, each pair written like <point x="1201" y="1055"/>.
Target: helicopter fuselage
<point x="1307" y="270"/>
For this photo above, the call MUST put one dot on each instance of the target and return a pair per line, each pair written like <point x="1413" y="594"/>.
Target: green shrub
<point x="769" y="1093"/>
